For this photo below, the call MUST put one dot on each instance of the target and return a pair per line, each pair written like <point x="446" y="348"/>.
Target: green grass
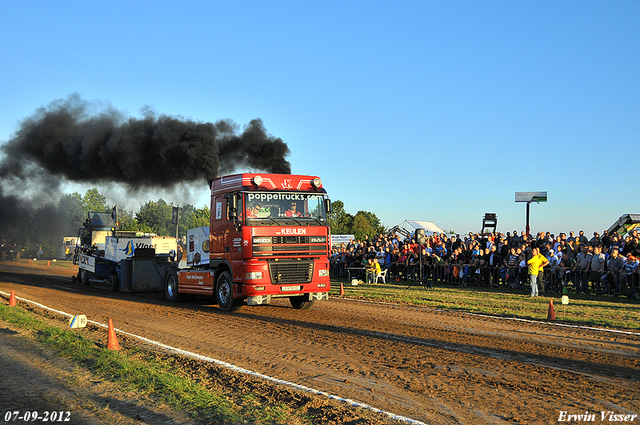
<point x="588" y="310"/>
<point x="154" y="377"/>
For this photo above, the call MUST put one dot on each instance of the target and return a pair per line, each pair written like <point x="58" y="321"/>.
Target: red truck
<point x="269" y="237"/>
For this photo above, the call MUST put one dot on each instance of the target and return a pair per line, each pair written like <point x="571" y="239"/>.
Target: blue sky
<point x="423" y="110"/>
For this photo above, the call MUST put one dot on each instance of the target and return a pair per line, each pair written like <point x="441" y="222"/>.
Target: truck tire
<point x="171" y="286"/>
<point x="224" y="293"/>
<point x="114" y="283"/>
<point x="84" y="276"/>
<point x="300" y="303"/>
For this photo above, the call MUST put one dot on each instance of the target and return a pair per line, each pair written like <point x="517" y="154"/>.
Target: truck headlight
<point x="323" y="273"/>
<point x="253" y="276"/>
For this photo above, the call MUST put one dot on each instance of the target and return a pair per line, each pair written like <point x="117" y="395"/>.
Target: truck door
<point x="232" y="237"/>
<point x="219" y="222"/>
<point x="225" y="229"/>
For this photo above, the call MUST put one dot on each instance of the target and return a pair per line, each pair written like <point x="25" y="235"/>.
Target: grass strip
<point x="585" y="310"/>
<point x="149" y="375"/>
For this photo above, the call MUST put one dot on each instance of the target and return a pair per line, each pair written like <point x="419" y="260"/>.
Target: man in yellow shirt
<point x="373" y="269"/>
<point x="537" y="262"/>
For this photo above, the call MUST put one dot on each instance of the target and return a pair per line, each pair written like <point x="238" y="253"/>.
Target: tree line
<point x="47" y="226"/>
<point x="363" y="223"/>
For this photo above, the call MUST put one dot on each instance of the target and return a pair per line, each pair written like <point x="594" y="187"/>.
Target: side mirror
<point x="232" y="205"/>
<point x="327" y="205"/>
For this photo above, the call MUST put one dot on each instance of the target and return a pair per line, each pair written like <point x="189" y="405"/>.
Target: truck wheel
<point x="224" y="293"/>
<point x="171" y="286"/>
<point x="300" y="303"/>
<point x="113" y="283"/>
<point x="84" y="277"/>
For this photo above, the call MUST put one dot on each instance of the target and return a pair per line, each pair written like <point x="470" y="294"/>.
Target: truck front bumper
<point x="266" y="299"/>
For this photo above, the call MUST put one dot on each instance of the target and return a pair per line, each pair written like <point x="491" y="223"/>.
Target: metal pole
<point x="527" y="228"/>
<point x="177" y="220"/>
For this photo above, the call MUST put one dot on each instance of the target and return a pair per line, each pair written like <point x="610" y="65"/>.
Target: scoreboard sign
<point x="531" y="196"/>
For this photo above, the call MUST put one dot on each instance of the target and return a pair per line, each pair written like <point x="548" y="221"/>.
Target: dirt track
<point x="435" y="367"/>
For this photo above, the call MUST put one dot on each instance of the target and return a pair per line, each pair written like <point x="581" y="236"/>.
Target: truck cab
<point x="269" y="238"/>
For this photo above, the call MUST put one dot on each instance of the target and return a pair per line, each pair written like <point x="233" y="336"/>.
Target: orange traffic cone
<point x="552" y="313"/>
<point x="341" y="290"/>
<point x="112" y="340"/>
<point x="12" y="299"/>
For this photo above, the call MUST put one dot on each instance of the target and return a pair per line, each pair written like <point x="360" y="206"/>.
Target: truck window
<point x="283" y="205"/>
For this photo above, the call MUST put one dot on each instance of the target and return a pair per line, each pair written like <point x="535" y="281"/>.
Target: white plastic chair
<point x="383" y="275"/>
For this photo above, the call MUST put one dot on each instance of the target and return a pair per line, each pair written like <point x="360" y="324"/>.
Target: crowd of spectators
<point x="603" y="264"/>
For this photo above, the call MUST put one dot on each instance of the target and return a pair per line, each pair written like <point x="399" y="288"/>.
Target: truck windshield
<point x="100" y="220"/>
<point x="285" y="205"/>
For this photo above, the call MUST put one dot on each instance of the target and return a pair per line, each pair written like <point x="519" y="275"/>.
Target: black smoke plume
<point x="65" y="140"/>
<point x="73" y="140"/>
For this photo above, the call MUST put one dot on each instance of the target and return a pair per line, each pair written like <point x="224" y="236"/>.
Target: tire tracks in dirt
<point x="434" y="366"/>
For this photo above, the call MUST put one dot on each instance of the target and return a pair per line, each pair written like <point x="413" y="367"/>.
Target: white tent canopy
<point x="410" y="226"/>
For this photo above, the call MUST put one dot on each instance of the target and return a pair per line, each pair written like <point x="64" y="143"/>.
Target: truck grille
<point x="286" y="272"/>
<point x="290" y="239"/>
<point x="290" y="246"/>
